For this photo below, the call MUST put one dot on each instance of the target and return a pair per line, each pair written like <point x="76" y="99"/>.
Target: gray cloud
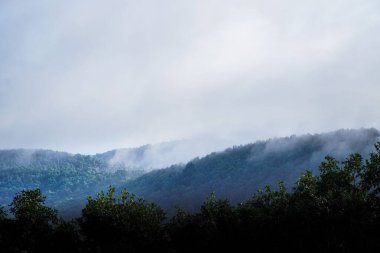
<point x="87" y="76"/>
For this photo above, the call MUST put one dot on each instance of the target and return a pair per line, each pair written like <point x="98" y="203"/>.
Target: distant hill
<point x="238" y="172"/>
<point x="68" y="179"/>
<point x="65" y="179"/>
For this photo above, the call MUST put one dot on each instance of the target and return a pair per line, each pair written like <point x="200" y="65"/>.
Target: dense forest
<point x="334" y="210"/>
<point x="238" y="171"/>
<point x="67" y="179"/>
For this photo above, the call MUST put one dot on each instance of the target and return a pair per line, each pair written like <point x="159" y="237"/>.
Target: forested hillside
<point x="334" y="210"/>
<point x="235" y="173"/>
<point x="240" y="171"/>
<point x="66" y="179"/>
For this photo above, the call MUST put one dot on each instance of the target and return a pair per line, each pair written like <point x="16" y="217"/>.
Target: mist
<point x="162" y="155"/>
<point x="338" y="144"/>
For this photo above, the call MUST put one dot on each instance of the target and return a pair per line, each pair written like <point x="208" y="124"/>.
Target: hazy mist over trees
<point x="335" y="209"/>
<point x="235" y="173"/>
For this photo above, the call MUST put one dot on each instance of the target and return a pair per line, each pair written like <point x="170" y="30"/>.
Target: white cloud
<point x="87" y="76"/>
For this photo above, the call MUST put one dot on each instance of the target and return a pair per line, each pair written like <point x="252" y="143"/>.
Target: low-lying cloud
<point x="163" y="155"/>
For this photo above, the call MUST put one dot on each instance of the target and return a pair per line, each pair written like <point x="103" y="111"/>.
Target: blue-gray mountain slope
<point x="238" y="172"/>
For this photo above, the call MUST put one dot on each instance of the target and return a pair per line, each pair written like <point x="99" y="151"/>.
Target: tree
<point x="3" y="214"/>
<point x="28" y="206"/>
<point x="33" y="224"/>
<point x="371" y="173"/>
<point x="121" y="223"/>
<point x="212" y="229"/>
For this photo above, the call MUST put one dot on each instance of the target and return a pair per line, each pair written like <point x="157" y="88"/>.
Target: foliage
<point x="237" y="172"/>
<point x="124" y="222"/>
<point x="3" y="214"/>
<point x="66" y="179"/>
<point x="233" y="174"/>
<point x="28" y="206"/>
<point x="32" y="223"/>
<point x="334" y="210"/>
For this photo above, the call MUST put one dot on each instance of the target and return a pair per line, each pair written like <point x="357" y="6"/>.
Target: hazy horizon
<point x="203" y="147"/>
<point x="92" y="76"/>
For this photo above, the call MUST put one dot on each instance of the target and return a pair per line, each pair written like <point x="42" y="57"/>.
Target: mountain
<point x="238" y="172"/>
<point x="68" y="179"/>
<point x="235" y="173"/>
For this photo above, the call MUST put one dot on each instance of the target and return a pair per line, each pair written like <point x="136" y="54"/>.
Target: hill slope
<point x="67" y="179"/>
<point x="238" y="172"/>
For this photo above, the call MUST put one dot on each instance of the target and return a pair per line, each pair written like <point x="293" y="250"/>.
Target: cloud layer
<point x="88" y="76"/>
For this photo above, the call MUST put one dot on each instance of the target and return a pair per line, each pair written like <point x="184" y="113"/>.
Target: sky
<point x="89" y="75"/>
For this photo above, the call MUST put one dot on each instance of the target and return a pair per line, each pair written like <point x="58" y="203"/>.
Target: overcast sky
<point x="88" y="76"/>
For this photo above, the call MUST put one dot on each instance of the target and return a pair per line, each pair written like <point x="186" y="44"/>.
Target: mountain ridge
<point x="238" y="172"/>
<point x="234" y="173"/>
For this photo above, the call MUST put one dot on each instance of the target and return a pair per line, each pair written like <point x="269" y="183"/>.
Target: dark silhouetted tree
<point x="34" y="221"/>
<point x="122" y="223"/>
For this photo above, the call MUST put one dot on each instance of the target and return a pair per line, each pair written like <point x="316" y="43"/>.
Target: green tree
<point x="3" y="214"/>
<point x="120" y="223"/>
<point x="34" y="222"/>
<point x="212" y="229"/>
<point x="28" y="206"/>
<point x="218" y="222"/>
<point x="371" y="173"/>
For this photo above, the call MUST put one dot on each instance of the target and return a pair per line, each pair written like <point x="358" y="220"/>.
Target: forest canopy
<point x="336" y="210"/>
